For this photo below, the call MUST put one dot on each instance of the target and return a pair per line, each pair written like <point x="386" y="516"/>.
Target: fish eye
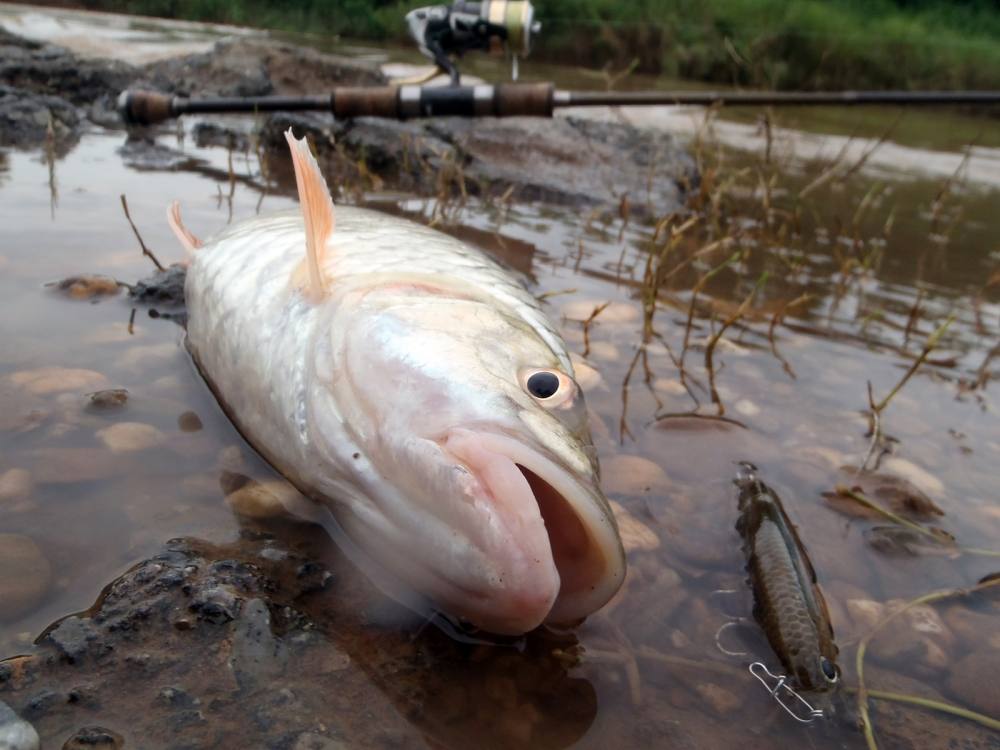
<point x="550" y="388"/>
<point x="829" y="670"/>
<point x="543" y="384"/>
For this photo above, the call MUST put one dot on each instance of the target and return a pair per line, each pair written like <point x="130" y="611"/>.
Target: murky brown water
<point x="646" y="671"/>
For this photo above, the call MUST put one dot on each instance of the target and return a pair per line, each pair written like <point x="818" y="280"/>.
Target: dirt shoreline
<point x="50" y="95"/>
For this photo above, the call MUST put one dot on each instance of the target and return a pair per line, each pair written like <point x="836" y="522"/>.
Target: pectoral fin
<point x="317" y="211"/>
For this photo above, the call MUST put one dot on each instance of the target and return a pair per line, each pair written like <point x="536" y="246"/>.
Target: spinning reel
<point x="446" y="32"/>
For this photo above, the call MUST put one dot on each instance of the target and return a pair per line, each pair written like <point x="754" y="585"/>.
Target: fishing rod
<point x="508" y="100"/>
<point x="446" y="32"/>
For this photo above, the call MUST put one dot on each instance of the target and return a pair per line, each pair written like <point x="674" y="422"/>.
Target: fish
<point x="411" y="386"/>
<point x="788" y="603"/>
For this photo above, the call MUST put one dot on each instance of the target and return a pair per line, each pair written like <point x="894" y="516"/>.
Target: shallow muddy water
<point x="647" y="670"/>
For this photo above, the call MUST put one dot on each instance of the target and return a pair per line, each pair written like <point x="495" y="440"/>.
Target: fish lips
<point x="551" y="537"/>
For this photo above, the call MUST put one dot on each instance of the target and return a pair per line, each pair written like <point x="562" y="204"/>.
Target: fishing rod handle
<point x="145" y="107"/>
<point x="392" y="102"/>
<point x="484" y="100"/>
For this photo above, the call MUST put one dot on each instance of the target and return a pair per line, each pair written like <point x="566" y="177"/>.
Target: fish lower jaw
<point x="560" y="563"/>
<point x="512" y="611"/>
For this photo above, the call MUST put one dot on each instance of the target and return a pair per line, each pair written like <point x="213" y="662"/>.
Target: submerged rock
<point x="94" y="738"/>
<point x="633" y="475"/>
<point x="314" y="741"/>
<point x="164" y="288"/>
<point x="107" y="400"/>
<point x="260" y="500"/>
<point x="49" y="380"/>
<point x="16" y="484"/>
<point x="973" y="681"/>
<point x="722" y="702"/>
<point x="189" y="422"/>
<point x="15" y="732"/>
<point x="130" y="437"/>
<point x="635" y="535"/>
<point x="87" y="286"/>
<point x="918" y="640"/>
<point x="25" y="575"/>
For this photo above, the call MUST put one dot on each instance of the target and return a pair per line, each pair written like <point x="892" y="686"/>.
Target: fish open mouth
<point x="549" y="518"/>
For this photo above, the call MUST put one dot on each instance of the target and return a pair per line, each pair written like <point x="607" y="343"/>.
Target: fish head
<point x="476" y="458"/>
<point x="817" y="670"/>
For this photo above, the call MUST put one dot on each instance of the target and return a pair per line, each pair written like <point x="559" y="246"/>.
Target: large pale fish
<point x="408" y="383"/>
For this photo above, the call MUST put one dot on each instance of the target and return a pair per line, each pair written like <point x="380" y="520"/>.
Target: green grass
<point x="811" y="44"/>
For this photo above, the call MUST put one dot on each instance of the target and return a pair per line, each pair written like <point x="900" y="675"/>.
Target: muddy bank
<point x="205" y="645"/>
<point x="570" y="161"/>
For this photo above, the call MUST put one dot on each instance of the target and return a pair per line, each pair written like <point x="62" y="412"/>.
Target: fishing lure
<point x="788" y="604"/>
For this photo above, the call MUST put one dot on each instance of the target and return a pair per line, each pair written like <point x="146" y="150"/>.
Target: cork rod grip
<point x="145" y="107"/>
<point x="524" y="99"/>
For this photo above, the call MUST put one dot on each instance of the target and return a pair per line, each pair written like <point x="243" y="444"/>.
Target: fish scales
<point x="410" y="385"/>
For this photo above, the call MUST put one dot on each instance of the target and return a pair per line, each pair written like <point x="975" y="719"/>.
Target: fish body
<point x="411" y="385"/>
<point x="788" y="604"/>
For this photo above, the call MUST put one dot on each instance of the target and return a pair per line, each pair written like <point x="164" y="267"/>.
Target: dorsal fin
<point x="317" y="210"/>
<point x="190" y="242"/>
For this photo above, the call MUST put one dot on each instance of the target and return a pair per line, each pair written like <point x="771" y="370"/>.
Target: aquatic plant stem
<point x="712" y="342"/>
<point x="859" y="660"/>
<point x="877" y="409"/>
<point x="598" y="309"/>
<point x="145" y="250"/>
<point x="932" y="342"/>
<point x="915" y="700"/>
<point x="694" y="299"/>
<point x="777" y="318"/>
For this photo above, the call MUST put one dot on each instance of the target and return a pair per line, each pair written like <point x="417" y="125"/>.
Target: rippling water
<point x="647" y="669"/>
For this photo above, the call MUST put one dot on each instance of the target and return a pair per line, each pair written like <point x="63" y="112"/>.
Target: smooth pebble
<point x="604" y="350"/>
<point x="45" y="380"/>
<point x="721" y="701"/>
<point x="25" y="576"/>
<point x="16" y="484"/>
<point x="130" y="437"/>
<point x="635" y="535"/>
<point x="973" y="681"/>
<point x="189" y="422"/>
<point x="585" y="375"/>
<point x="632" y="475"/>
<point x="920" y="477"/>
<point x="15" y="732"/>
<point x="262" y="500"/>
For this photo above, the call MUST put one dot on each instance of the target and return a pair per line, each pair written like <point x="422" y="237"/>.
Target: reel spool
<point x="446" y="32"/>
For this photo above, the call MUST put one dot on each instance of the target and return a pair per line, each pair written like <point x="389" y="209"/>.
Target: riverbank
<point x="50" y="96"/>
<point x="806" y="44"/>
